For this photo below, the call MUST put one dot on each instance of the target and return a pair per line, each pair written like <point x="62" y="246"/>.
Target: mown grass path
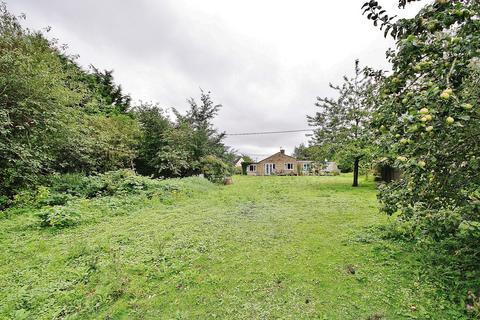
<point x="263" y="248"/>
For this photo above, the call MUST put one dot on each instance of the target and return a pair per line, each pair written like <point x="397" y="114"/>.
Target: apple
<point x="421" y="164"/>
<point x="426" y="64"/>
<point x="450" y="120"/>
<point x="406" y="141"/>
<point x="429" y="128"/>
<point x="424" y="111"/>
<point x="455" y="40"/>
<point x="446" y="94"/>
<point x="429" y="117"/>
<point x="401" y="158"/>
<point x="423" y="119"/>
<point x="467" y="106"/>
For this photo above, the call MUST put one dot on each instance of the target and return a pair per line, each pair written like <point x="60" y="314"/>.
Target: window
<point x="252" y="168"/>
<point x="289" y="166"/>
<point x="306" y="167"/>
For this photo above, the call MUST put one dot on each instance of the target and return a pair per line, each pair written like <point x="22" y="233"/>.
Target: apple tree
<point x="427" y="118"/>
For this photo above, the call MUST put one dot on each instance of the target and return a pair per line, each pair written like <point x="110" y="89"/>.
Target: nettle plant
<point x="428" y="117"/>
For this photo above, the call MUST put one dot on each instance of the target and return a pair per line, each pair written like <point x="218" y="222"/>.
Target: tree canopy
<point x="343" y="123"/>
<point x="56" y="117"/>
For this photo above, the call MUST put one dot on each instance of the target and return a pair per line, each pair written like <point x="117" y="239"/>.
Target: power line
<point x="267" y="132"/>
<point x="256" y="154"/>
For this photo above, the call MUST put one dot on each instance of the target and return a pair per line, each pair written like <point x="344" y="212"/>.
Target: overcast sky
<point x="265" y="61"/>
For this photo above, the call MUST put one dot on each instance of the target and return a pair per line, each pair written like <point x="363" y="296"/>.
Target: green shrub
<point x="4" y="202"/>
<point x="238" y="170"/>
<point x="215" y="170"/>
<point x="106" y="184"/>
<point x="57" y="199"/>
<point x="116" y="193"/>
<point x="74" y="184"/>
<point x="33" y="198"/>
<point x="58" y="217"/>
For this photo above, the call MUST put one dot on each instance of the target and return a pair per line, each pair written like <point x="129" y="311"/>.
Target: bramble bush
<point x="112" y="183"/>
<point x="70" y="199"/>
<point x="58" y="217"/>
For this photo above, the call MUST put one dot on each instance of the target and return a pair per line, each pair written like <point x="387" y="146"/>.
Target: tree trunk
<point x="355" y="172"/>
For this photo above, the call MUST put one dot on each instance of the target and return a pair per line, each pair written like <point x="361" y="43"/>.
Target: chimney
<point x="282" y="151"/>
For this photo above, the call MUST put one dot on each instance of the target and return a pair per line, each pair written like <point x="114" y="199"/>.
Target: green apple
<point x="429" y="117"/>
<point x="467" y="106"/>
<point x="426" y="64"/>
<point x="445" y="95"/>
<point x="429" y="129"/>
<point x="423" y="119"/>
<point x="424" y="111"/>
<point x="450" y="120"/>
<point x="421" y="164"/>
<point x="455" y="40"/>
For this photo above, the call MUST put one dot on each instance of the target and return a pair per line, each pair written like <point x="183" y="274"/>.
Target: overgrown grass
<point x="263" y="248"/>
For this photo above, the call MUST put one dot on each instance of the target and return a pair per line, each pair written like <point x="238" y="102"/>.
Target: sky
<point x="265" y="61"/>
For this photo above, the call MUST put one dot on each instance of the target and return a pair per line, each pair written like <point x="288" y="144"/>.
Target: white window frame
<point x="271" y="167"/>
<point x="254" y="168"/>
<point x="289" y="164"/>
<point x="306" y="166"/>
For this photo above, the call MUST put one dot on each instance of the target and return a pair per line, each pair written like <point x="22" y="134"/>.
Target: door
<point x="269" y="167"/>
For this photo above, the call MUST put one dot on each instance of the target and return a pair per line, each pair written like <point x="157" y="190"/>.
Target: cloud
<point x="265" y="61"/>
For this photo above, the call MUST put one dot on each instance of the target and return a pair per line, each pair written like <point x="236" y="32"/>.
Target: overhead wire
<point x="267" y="132"/>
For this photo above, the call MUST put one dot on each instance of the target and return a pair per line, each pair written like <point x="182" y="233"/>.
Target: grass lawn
<point x="263" y="248"/>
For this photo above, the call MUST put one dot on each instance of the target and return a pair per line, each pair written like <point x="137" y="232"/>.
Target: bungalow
<point x="279" y="164"/>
